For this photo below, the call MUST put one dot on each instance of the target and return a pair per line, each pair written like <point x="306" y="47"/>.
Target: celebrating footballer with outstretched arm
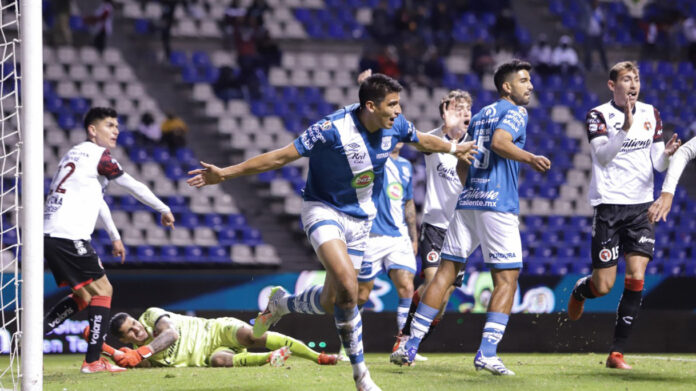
<point x="627" y="145"/>
<point x="347" y="151"/>
<point x="74" y="202"/>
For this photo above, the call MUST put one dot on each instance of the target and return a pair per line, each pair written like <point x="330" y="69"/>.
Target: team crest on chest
<point x="647" y="125"/>
<point x="386" y="143"/>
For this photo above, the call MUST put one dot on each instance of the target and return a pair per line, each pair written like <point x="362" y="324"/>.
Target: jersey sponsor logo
<point x="489" y="110"/>
<point x="476" y="197"/>
<point x="362" y="180"/>
<point x="502" y="256"/>
<point x="514" y="120"/>
<point x="386" y="143"/>
<point x="382" y="155"/>
<point x="449" y="173"/>
<point x="326" y="125"/>
<point x="433" y="256"/>
<point x="634" y="145"/>
<point x="311" y="136"/>
<point x="395" y="191"/>
<point x="522" y="110"/>
<point x="355" y="153"/>
<point x="645" y="239"/>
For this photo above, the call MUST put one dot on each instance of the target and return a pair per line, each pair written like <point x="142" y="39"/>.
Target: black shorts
<point x="74" y="263"/>
<point x="429" y="247"/>
<point x="621" y="229"/>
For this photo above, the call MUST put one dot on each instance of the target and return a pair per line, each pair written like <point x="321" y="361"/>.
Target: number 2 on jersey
<point x="71" y="169"/>
<point x="483" y="152"/>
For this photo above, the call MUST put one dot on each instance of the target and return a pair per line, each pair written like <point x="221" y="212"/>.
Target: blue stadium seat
<point x="583" y="267"/>
<point x="534" y="266"/>
<point x="169" y="254"/>
<point x="161" y="155"/>
<point x="130" y="204"/>
<point x="200" y="59"/>
<point x="227" y="237"/>
<point x="194" y="254"/>
<point x="251" y="237"/>
<point x="174" y="171"/>
<point x="559" y="268"/>
<point x="139" y="154"/>
<point x="178" y="58"/>
<point x="187" y="220"/>
<point x="237" y="221"/>
<point x="146" y="254"/>
<point x="214" y="221"/>
<point x="66" y="120"/>
<point x="219" y="254"/>
<point x="126" y="138"/>
<point x="79" y="105"/>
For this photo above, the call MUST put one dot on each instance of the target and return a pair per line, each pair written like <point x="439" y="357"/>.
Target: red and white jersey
<point x="77" y="190"/>
<point x="628" y="178"/>
<point x="442" y="187"/>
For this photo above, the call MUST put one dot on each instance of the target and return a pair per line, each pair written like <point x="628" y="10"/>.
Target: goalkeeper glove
<point x="132" y="358"/>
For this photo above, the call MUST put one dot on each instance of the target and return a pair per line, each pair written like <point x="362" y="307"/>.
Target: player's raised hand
<point x="454" y="118"/>
<point x="540" y="163"/>
<point x="466" y="151"/>
<point x="672" y="145"/>
<point x="660" y="208"/>
<point x="118" y="250"/>
<point x="364" y="75"/>
<point x="628" y="113"/>
<point x="210" y="174"/>
<point x="168" y="220"/>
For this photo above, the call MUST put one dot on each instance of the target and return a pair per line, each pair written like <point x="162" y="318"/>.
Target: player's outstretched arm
<point x="118" y="249"/>
<point x="661" y="207"/>
<point x="165" y="335"/>
<point x="211" y="174"/>
<point x="143" y="194"/>
<point x="503" y="145"/>
<point x="429" y="143"/>
<point x="410" y="217"/>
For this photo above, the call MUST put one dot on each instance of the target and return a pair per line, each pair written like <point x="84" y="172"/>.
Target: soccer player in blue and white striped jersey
<point x="347" y="151"/>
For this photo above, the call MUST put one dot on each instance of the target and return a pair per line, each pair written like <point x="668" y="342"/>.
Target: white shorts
<point x="323" y="223"/>
<point x="498" y="234"/>
<point x="385" y="253"/>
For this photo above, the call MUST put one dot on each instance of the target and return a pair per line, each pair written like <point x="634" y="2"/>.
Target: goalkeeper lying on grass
<point x="167" y="339"/>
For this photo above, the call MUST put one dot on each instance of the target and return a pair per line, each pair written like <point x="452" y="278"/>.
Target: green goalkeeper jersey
<point x="198" y="338"/>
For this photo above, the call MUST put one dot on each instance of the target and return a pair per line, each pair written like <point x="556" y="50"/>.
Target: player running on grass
<point x="441" y="192"/>
<point x="486" y="215"/>
<point x="627" y="145"/>
<point x="167" y="339"/>
<point x="347" y="151"/>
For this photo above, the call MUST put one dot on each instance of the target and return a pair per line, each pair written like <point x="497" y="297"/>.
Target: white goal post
<point x="31" y="121"/>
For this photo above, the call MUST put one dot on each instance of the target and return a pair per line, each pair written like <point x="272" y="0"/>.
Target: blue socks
<point x="306" y="302"/>
<point x="402" y="312"/>
<point x="493" y="332"/>
<point x="421" y="324"/>
<point x="349" y="327"/>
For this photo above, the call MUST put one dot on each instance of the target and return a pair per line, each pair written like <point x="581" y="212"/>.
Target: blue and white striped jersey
<point x="398" y="188"/>
<point x="492" y="180"/>
<point x="346" y="162"/>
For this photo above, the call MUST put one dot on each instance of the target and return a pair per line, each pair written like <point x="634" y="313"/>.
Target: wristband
<point x="453" y="148"/>
<point x="144" y="351"/>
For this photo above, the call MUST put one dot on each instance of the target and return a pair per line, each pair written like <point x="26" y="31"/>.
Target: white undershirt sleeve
<point x="105" y="216"/>
<point x="605" y="148"/>
<point x="660" y="161"/>
<point x="677" y="164"/>
<point x="141" y="192"/>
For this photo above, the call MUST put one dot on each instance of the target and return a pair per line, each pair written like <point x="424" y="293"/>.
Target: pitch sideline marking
<point x="664" y="358"/>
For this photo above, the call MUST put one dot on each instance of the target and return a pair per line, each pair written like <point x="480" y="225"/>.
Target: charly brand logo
<point x="395" y="191"/>
<point x="363" y="179"/>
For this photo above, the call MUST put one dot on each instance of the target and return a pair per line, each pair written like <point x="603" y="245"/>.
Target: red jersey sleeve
<point x="108" y="166"/>
<point x="658" y="127"/>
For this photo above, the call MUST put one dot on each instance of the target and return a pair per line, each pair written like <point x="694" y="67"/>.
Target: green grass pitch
<point x="441" y="372"/>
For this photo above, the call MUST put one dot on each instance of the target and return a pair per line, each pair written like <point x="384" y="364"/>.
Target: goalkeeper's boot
<point x="272" y="314"/>
<point x="492" y="364"/>
<point x="575" y="306"/>
<point x="101" y="365"/>
<point x="616" y="361"/>
<point x="365" y="383"/>
<point x="327" y="359"/>
<point x="279" y="357"/>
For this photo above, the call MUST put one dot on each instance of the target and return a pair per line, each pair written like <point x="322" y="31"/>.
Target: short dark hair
<point x="506" y="69"/>
<point x="376" y="88"/>
<point x="116" y="323"/>
<point x="97" y="114"/>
